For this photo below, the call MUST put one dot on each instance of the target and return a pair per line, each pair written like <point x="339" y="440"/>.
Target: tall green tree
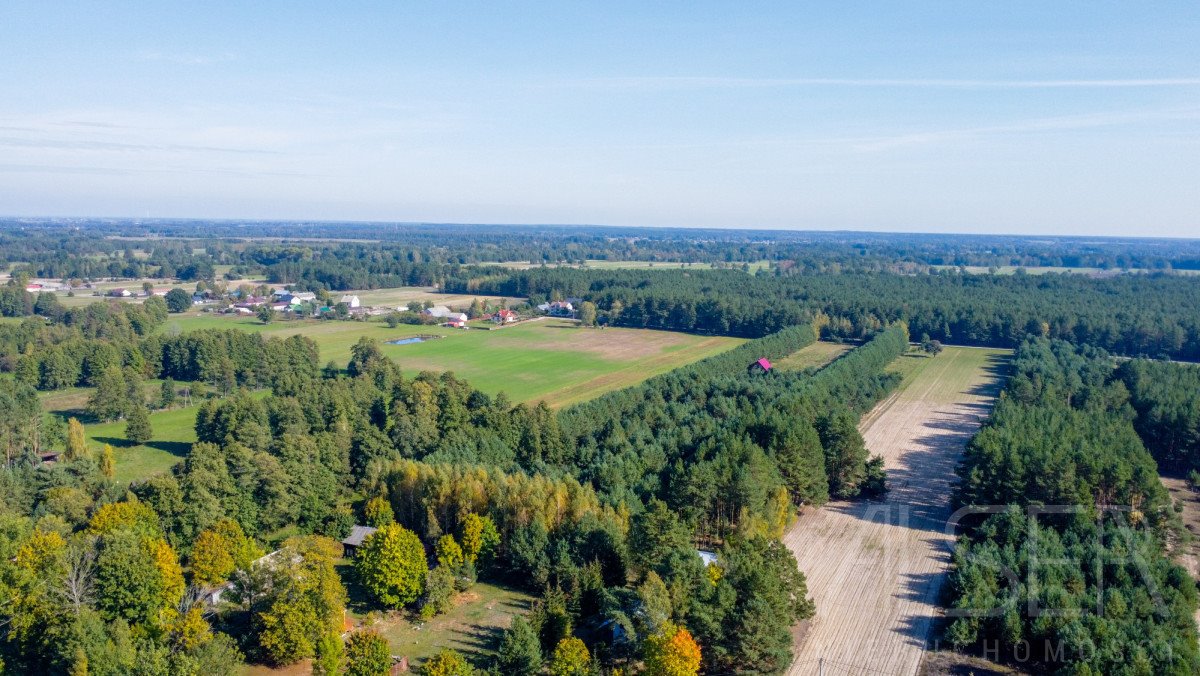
<point x="519" y="653"/>
<point x="109" y="401"/>
<point x="137" y="425"/>
<point x="178" y="300"/>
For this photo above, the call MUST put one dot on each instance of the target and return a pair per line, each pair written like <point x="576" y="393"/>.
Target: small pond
<point x="411" y="339"/>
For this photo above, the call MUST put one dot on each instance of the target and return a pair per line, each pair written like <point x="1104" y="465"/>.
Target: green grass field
<point x="552" y="360"/>
<point x="956" y="366"/>
<point x="813" y="356"/>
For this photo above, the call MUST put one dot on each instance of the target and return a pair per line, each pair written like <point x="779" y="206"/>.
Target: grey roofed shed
<point x="356" y="537"/>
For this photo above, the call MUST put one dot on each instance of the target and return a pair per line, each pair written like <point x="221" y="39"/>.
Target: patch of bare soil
<point x="1186" y="550"/>
<point x="875" y="568"/>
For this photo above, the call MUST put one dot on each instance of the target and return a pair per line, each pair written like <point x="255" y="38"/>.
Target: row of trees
<point x="1071" y="561"/>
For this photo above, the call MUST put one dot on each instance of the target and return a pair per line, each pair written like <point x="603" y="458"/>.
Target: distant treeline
<point x="189" y="250"/>
<point x="1129" y="314"/>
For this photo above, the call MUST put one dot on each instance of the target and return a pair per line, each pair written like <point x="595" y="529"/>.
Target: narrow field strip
<point x="874" y="568"/>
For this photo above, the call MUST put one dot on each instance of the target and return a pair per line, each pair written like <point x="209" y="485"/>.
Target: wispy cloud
<point x="701" y="82"/>
<point x="1061" y="123"/>
<point x="186" y="59"/>
<point x="73" y="144"/>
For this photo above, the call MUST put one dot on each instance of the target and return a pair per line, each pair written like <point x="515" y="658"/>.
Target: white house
<point x="350" y="301"/>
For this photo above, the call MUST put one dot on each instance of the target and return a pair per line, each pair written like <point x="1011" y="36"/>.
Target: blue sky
<point x="1015" y="117"/>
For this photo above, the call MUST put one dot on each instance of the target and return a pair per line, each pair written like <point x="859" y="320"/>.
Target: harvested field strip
<point x="874" y="568"/>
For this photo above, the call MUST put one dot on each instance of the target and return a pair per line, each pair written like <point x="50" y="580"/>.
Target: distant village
<point x="248" y="300"/>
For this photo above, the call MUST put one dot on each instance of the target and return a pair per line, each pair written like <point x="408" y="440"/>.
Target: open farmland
<point x="551" y="360"/>
<point x="874" y="568"/>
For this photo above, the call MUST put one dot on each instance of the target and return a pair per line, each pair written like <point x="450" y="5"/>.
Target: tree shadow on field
<point x="116" y="442"/>
<point x="998" y="368"/>
<point x="924" y="588"/>
<point x="921" y="487"/>
<point x="179" y="449"/>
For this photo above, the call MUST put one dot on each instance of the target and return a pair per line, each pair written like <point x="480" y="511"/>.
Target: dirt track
<point x="875" y="568"/>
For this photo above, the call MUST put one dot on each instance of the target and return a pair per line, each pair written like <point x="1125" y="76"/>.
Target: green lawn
<point x="552" y="360"/>
<point x="813" y="356"/>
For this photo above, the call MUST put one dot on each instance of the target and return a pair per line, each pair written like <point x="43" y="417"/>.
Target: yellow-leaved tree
<point x="671" y="651"/>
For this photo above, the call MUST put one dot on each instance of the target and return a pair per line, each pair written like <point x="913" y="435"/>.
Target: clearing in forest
<point x="813" y="356"/>
<point x="874" y="568"/>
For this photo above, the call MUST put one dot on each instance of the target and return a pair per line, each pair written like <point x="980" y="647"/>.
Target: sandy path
<point x="875" y="568"/>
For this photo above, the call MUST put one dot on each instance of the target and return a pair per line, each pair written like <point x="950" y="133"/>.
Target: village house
<point x="295" y="298"/>
<point x="558" y="308"/>
<point x="350" y="301"/>
<point x="504" y="317"/>
<point x="120" y="293"/>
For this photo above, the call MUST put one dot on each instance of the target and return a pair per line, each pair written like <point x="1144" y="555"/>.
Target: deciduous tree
<point x="391" y="564"/>
<point x="367" y="654"/>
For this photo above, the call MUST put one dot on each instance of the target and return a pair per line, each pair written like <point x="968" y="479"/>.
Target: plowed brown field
<point x="874" y="568"/>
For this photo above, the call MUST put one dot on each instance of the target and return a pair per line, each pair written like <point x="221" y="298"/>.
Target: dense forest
<point x="592" y="517"/>
<point x="1135" y="315"/>
<point x="1166" y="397"/>
<point x="1070" y="569"/>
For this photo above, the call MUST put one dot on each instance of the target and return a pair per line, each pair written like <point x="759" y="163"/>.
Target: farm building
<point x="355" y="539"/>
<point x="761" y="366"/>
<point x="351" y="301"/>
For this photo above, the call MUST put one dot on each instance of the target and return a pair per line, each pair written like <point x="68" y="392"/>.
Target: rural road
<point x="874" y="568"/>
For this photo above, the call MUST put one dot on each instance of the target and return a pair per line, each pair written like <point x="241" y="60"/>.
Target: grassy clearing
<point x="552" y="360"/>
<point x="174" y="434"/>
<point x="944" y="378"/>
<point x="813" y="356"/>
<point x="473" y="627"/>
